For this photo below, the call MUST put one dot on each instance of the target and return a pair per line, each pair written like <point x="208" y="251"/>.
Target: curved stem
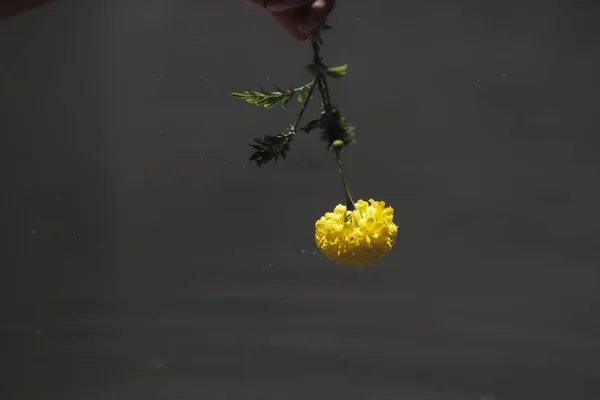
<point x="349" y="202"/>
<point x="306" y="101"/>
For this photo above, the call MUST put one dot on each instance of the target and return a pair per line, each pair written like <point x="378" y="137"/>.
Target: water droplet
<point x="303" y="251"/>
<point x="270" y="265"/>
<point x="314" y="253"/>
<point x="33" y="232"/>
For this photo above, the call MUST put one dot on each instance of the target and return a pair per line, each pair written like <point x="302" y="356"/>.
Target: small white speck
<point x="504" y="75"/>
<point x="73" y="231"/>
<point x="33" y="232"/>
<point x="58" y="197"/>
<point x="268" y="78"/>
<point x="161" y="131"/>
<point x="314" y="253"/>
<point x="270" y="265"/>
<point x="303" y="251"/>
<point x="201" y="158"/>
<point x="478" y="86"/>
<point x="38" y="333"/>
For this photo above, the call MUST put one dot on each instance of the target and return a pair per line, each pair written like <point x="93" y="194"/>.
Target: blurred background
<point x="143" y="257"/>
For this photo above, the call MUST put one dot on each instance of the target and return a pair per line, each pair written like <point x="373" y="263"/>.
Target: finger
<point x="316" y="16"/>
<point x="254" y="2"/>
<point x="282" y="5"/>
<point x="315" y="33"/>
<point x="285" y="19"/>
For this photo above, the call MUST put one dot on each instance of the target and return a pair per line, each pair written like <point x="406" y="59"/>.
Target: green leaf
<point x="337" y="72"/>
<point x="335" y="127"/>
<point x="272" y="147"/>
<point x="270" y="99"/>
<point x="307" y="92"/>
<point x="288" y="95"/>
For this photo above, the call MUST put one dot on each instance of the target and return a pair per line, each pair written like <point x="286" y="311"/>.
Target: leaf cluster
<point x="333" y="127"/>
<point x="272" y="147"/>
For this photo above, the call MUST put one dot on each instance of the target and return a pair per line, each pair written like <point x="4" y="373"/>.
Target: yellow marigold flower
<point x="359" y="237"/>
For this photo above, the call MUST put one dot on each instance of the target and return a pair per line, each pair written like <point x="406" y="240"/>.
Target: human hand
<point x="303" y="19"/>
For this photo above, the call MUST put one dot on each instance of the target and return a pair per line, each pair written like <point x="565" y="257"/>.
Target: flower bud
<point x="338" y="144"/>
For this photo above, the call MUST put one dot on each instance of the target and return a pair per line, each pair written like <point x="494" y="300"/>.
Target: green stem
<point x="306" y="101"/>
<point x="349" y="202"/>
<point x="320" y="76"/>
<point x="321" y="80"/>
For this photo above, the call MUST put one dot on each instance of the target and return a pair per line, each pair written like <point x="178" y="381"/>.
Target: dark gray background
<point x="143" y="258"/>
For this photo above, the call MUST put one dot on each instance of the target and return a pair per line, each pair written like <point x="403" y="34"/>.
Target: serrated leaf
<point x="270" y="99"/>
<point x="271" y="147"/>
